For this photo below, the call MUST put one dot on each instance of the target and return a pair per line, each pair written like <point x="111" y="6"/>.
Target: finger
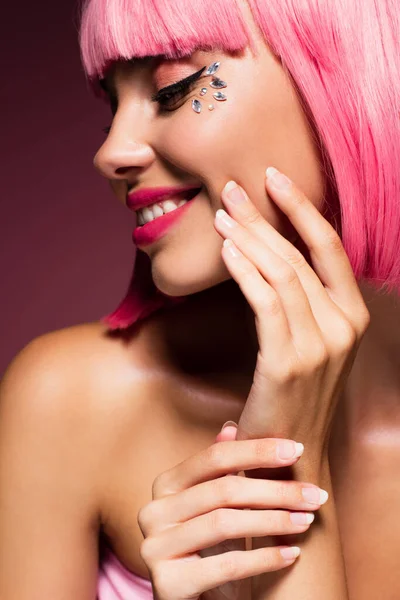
<point x="271" y="320"/>
<point x="328" y="316"/>
<point x="219" y="459"/>
<point x="237" y="492"/>
<point x="282" y="277"/>
<point x="212" y="572"/>
<point x="223" y="524"/>
<point x="328" y="256"/>
<point x="226" y="434"/>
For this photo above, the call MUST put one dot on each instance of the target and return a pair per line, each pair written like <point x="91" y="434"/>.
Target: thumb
<point x="228" y="432"/>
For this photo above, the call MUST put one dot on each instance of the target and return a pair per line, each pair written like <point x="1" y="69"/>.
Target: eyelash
<point x="171" y="92"/>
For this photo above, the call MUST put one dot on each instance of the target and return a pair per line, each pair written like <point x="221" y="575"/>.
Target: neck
<point x="372" y="394"/>
<point x="214" y="332"/>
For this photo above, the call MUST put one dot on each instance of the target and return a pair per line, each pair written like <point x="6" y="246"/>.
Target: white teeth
<point x="169" y="206"/>
<point x="157" y="211"/>
<point x="149" y="213"/>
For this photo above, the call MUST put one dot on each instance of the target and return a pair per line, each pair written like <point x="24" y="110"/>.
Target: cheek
<point x="241" y="138"/>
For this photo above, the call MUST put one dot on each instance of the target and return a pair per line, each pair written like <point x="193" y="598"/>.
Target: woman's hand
<point x="309" y="320"/>
<point x="199" y="504"/>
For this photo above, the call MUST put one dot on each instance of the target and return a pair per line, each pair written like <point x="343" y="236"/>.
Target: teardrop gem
<point x="213" y="68"/>
<point x="196" y="105"/>
<point x="218" y="83"/>
<point x="219" y="96"/>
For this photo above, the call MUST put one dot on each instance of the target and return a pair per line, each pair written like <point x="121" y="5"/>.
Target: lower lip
<point x="156" y="229"/>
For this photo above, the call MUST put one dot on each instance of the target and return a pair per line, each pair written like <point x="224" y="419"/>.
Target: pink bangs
<point x="123" y="29"/>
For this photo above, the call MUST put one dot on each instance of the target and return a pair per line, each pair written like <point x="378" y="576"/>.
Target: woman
<point x="110" y="440"/>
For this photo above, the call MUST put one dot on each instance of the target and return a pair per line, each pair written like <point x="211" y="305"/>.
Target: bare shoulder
<point x="74" y="377"/>
<point x="64" y="400"/>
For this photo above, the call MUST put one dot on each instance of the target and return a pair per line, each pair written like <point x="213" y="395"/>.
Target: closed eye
<point x="170" y="94"/>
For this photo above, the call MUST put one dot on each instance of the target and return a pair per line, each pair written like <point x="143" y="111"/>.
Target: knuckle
<point x="229" y="565"/>
<point x="364" y="319"/>
<point x="225" y="489"/>
<point x="160" y="486"/>
<point x="331" y="240"/>
<point x="298" y="197"/>
<point x="149" y="515"/>
<point x="295" y="259"/>
<point x="220" y="521"/>
<point x="262" y="449"/>
<point x="253" y="217"/>
<point x="270" y="304"/>
<point x="275" y="521"/>
<point x="283" y="491"/>
<point x="346" y="337"/>
<point x="143" y="518"/>
<point x="248" y="272"/>
<point x="285" y="274"/>
<point x="320" y="356"/>
<point x="214" y="456"/>
<point x="146" y="550"/>
<point x="286" y="372"/>
<point x="161" y="577"/>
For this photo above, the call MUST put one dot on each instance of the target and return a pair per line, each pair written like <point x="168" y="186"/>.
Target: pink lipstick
<point x="154" y="230"/>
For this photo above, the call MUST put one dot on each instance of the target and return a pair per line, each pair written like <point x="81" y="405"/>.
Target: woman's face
<point x="260" y="124"/>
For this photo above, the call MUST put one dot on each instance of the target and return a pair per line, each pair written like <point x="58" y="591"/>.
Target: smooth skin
<point x="87" y="419"/>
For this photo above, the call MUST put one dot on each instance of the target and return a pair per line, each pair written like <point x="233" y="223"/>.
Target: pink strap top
<point x="115" y="582"/>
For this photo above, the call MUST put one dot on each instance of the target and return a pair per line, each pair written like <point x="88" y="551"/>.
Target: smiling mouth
<point x="159" y="209"/>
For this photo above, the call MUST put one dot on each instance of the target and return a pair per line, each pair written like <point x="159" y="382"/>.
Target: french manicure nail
<point x="234" y="193"/>
<point x="288" y="449"/>
<point x="302" y="518"/>
<point x="315" y="495"/>
<point x="225" y="219"/>
<point x="277" y="179"/>
<point x="229" y="424"/>
<point x="290" y="553"/>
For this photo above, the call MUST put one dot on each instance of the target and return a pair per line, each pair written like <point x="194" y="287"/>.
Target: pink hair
<point x="343" y="58"/>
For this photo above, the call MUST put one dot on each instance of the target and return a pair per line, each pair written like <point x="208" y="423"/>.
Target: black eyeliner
<point x="178" y="86"/>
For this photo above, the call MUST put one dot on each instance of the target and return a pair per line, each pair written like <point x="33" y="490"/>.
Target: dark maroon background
<point x="65" y="241"/>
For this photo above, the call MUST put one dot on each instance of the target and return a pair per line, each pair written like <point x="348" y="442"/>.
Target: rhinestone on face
<point x="212" y="68"/>
<point x="217" y="83"/>
<point x="219" y="96"/>
<point x="211" y="107"/>
<point x="203" y="91"/>
<point x="196" y="105"/>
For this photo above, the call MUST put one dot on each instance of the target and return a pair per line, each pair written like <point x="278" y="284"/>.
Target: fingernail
<point x="225" y="219"/>
<point x="229" y="424"/>
<point x="302" y="518"/>
<point x="277" y="179"/>
<point x="288" y="449"/>
<point x="234" y="193"/>
<point x="290" y="553"/>
<point x="315" y="495"/>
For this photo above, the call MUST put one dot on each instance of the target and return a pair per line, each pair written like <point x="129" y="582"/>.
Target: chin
<point x="188" y="278"/>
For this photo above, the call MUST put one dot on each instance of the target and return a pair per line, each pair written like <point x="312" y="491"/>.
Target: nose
<point x="122" y="156"/>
